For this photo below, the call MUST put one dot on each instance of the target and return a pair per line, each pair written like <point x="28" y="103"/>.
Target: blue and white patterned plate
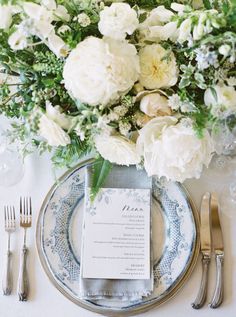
<point x="175" y="229"/>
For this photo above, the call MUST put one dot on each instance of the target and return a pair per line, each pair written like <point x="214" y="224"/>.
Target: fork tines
<point x="9" y="217"/>
<point x="25" y="211"/>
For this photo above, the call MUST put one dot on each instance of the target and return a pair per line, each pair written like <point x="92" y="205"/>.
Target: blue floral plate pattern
<point x="175" y="241"/>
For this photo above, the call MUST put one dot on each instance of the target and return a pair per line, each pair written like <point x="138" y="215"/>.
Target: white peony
<point x="5" y="16"/>
<point x="173" y="150"/>
<point x="221" y="95"/>
<point x="118" y="20"/>
<point x="158" y="67"/>
<point x="99" y="71"/>
<point x="154" y="104"/>
<point x="117" y="149"/>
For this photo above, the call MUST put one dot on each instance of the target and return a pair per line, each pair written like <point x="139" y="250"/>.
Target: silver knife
<point x="205" y="239"/>
<point x="218" y="248"/>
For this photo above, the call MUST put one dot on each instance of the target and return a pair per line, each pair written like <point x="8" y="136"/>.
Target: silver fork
<point x="25" y="222"/>
<point x="10" y="226"/>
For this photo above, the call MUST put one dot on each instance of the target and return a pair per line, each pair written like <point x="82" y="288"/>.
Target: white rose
<point x="160" y="14"/>
<point x="154" y="104"/>
<point x="117" y="149"/>
<point x="156" y="70"/>
<point x="224" y="96"/>
<point x="173" y="150"/>
<point x="5" y="16"/>
<point x="55" y="114"/>
<point x="18" y="40"/>
<point x="118" y="20"/>
<point x="99" y="71"/>
<point x="185" y="30"/>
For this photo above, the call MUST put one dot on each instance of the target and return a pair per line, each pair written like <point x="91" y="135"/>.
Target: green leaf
<point x="214" y="93"/>
<point x="101" y="170"/>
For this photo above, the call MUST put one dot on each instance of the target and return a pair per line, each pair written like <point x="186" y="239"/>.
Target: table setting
<point x="117" y="157"/>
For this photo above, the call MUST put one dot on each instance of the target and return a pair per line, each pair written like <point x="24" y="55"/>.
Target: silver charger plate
<point x="175" y="240"/>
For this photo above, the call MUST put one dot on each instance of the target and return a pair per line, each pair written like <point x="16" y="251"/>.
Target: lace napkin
<point x="124" y="289"/>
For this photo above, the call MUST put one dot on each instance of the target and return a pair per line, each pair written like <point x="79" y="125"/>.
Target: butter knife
<point x="218" y="248"/>
<point x="205" y="243"/>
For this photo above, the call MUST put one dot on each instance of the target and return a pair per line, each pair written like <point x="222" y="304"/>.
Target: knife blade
<point x="218" y="248"/>
<point x="206" y="248"/>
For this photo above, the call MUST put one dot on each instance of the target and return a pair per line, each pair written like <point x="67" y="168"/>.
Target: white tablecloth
<point x="46" y="301"/>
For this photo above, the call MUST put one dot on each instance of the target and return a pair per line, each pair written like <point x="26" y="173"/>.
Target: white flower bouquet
<point x="143" y="82"/>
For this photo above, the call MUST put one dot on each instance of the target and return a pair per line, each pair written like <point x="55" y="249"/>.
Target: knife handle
<point x="218" y="295"/>
<point x="201" y="296"/>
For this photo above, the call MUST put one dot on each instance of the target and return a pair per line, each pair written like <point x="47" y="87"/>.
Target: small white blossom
<point x="83" y="19"/>
<point x="206" y="58"/>
<point x="120" y="110"/>
<point x="231" y="81"/>
<point x="174" y="102"/>
<point x="124" y="128"/>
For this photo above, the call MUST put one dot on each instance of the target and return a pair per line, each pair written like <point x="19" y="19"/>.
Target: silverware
<point x="205" y="239"/>
<point x="25" y="222"/>
<point x="218" y="249"/>
<point x="10" y="226"/>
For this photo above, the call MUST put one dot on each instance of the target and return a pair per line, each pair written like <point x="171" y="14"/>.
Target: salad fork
<point x="25" y="223"/>
<point x="10" y="226"/>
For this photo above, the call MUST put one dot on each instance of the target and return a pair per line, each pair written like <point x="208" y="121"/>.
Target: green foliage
<point x="101" y="168"/>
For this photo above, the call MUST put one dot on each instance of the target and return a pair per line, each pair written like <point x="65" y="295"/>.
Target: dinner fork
<point x="10" y="226"/>
<point x="25" y="222"/>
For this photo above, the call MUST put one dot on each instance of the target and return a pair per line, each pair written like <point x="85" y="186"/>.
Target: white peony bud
<point x="117" y="149"/>
<point x="154" y="104"/>
<point x="118" y="20"/>
<point x="225" y="50"/>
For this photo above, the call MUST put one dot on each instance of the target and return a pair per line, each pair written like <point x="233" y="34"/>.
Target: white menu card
<point x="116" y="239"/>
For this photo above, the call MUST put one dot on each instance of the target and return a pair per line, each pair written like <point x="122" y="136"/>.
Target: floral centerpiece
<point x="142" y="82"/>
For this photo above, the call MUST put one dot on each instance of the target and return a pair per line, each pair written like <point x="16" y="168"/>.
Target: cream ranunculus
<point x="224" y="96"/>
<point x="5" y="16"/>
<point x="158" y="67"/>
<point x="118" y="20"/>
<point x="154" y="104"/>
<point x="117" y="149"/>
<point x="99" y="71"/>
<point x="173" y="150"/>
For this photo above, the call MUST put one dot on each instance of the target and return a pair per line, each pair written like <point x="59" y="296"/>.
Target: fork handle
<point x="23" y="281"/>
<point x="7" y="275"/>
<point x="201" y="296"/>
